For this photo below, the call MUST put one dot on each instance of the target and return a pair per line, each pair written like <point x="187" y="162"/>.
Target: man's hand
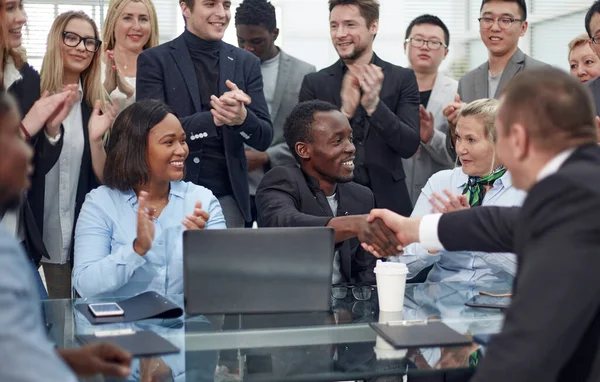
<point x="405" y="229"/>
<point x="452" y="109"/>
<point x="230" y="108"/>
<point x="350" y="94"/>
<point x="378" y="235"/>
<point x="370" y="78"/>
<point x="427" y="123"/>
<point x="451" y="204"/>
<point x="97" y="358"/>
<point x="100" y="124"/>
<point x="197" y="220"/>
<point x="256" y="159"/>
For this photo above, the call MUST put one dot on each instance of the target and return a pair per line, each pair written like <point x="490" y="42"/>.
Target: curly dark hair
<point x="256" y="12"/>
<point x="298" y="125"/>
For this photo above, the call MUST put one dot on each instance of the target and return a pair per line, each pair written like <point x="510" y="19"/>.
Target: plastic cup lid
<point x="389" y="267"/>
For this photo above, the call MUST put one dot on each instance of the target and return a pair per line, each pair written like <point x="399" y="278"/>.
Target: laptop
<point x="264" y="270"/>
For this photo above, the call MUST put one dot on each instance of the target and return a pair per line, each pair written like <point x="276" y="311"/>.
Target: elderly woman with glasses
<point x="72" y="58"/>
<point x="482" y="180"/>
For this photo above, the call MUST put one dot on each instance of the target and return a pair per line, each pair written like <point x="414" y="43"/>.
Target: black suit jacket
<point x="552" y="328"/>
<point x="87" y="178"/>
<point x="392" y="132"/>
<point x="26" y="92"/>
<point x="288" y="197"/>
<point x="167" y="73"/>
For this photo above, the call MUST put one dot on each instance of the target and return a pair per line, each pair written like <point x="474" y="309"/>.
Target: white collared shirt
<point x="61" y="188"/>
<point x="428" y="228"/>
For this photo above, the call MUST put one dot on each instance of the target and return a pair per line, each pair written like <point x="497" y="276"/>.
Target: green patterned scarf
<point x="475" y="186"/>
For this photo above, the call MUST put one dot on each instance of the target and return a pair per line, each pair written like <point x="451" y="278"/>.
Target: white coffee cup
<point x="391" y="282"/>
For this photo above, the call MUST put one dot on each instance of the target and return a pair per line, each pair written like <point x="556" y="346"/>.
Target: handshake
<point x="387" y="233"/>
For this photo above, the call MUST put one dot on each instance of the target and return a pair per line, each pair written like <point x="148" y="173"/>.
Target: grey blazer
<point x="289" y="80"/>
<point x="433" y="156"/>
<point x="474" y="85"/>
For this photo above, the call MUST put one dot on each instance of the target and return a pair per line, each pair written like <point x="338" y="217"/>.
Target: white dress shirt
<point x="61" y="188"/>
<point x="428" y="228"/>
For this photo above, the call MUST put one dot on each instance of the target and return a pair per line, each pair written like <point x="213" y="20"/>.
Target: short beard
<point x="354" y="55"/>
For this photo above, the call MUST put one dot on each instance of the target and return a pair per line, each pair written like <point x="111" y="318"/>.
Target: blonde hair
<point x="577" y="41"/>
<point x="52" y="73"/>
<point x="485" y="109"/>
<point x="115" y="8"/>
<point x="17" y="54"/>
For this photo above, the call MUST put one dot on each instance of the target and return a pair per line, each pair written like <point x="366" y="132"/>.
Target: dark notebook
<point x="140" y="307"/>
<point x="139" y="344"/>
<point x="431" y="334"/>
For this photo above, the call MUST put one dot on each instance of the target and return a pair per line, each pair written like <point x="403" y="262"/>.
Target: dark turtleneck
<point x="213" y="165"/>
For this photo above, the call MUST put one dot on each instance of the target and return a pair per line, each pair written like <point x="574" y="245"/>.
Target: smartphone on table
<point x="107" y="309"/>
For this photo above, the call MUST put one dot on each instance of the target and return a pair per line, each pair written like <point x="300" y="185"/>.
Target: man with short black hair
<point x="501" y="24"/>
<point x="384" y="114"/>
<point x="257" y="31"/>
<point x="426" y="46"/>
<point x="320" y="191"/>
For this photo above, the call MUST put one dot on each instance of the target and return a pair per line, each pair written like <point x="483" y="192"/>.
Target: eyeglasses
<point x="595" y="39"/>
<point x="359" y="292"/>
<point x="417" y="42"/>
<point x="503" y="22"/>
<point x="73" y="39"/>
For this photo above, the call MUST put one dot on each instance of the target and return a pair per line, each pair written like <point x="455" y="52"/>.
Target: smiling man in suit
<point x="256" y="28"/>
<point x="381" y="101"/>
<point x="426" y="46"/>
<point x="546" y="137"/>
<point x="320" y="192"/>
<point x="216" y="90"/>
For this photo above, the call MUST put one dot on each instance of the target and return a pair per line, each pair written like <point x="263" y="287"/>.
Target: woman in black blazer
<point x="22" y="81"/>
<point x="72" y="59"/>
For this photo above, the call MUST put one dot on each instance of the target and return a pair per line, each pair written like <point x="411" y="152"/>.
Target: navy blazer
<point x="167" y="73"/>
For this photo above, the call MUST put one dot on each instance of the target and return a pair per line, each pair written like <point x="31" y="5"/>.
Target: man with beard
<point x="384" y="115"/>
<point x="321" y="193"/>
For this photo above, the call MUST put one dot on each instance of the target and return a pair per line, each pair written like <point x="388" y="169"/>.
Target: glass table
<point x="338" y="345"/>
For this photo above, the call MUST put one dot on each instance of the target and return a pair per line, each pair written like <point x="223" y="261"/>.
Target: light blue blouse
<point x="462" y="266"/>
<point x="106" y="264"/>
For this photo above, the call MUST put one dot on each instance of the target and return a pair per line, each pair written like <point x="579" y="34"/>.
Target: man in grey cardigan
<point x="282" y="74"/>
